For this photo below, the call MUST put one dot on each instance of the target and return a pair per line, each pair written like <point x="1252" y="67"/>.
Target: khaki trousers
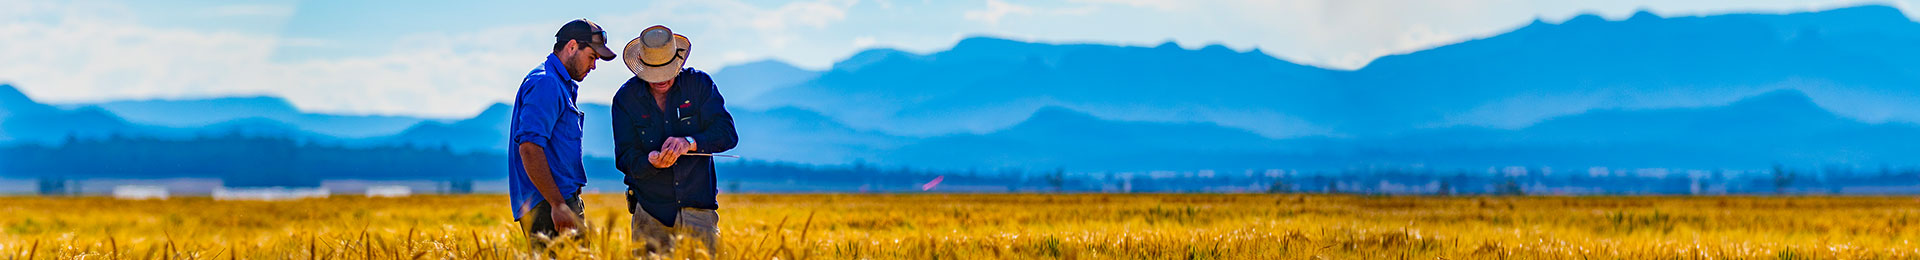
<point x="691" y="224"/>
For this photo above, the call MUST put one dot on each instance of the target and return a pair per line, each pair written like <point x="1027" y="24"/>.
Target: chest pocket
<point x="571" y="123"/>
<point x="652" y="132"/>
<point x="687" y="120"/>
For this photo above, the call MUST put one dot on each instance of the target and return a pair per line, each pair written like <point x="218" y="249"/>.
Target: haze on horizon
<point x="417" y="58"/>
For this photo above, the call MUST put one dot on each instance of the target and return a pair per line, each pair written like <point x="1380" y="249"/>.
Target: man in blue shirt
<point x="544" y="171"/>
<point x="661" y="115"/>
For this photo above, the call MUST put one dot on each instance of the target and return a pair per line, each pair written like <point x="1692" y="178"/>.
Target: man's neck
<point x="566" y="71"/>
<point x="660" y="92"/>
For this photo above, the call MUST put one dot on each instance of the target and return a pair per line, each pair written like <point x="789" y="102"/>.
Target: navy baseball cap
<point x="586" y="32"/>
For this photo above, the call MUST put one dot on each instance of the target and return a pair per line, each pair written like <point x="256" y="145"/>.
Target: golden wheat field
<point x="931" y="226"/>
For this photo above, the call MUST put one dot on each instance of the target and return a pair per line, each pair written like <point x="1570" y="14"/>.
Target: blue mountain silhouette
<point x="983" y="84"/>
<point x="786" y="133"/>
<point x="486" y="131"/>
<point x="1565" y="68"/>
<point x="745" y="83"/>
<point x="1777" y="127"/>
<point x="1510" y="80"/>
<point x="1735" y="90"/>
<point x="12" y="101"/>
<point x="23" y="119"/>
<point x="1061" y="137"/>
<point x="208" y="111"/>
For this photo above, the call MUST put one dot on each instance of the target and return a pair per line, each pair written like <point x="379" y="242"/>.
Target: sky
<point x="450" y="59"/>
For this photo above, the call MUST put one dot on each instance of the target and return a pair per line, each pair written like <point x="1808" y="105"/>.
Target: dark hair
<point x="562" y="43"/>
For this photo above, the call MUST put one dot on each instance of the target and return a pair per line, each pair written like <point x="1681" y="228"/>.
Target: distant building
<point x="55" y="186"/>
<point x="270" y="193"/>
<point x="461" y="186"/>
<point x="139" y="192"/>
<point x="369" y="186"/>
<point x="173" y="186"/>
<point x="389" y="191"/>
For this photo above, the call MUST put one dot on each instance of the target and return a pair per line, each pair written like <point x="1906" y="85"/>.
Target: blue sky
<point x="452" y="58"/>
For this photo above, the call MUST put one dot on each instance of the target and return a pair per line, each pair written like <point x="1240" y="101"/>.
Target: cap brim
<point x="605" y="53"/>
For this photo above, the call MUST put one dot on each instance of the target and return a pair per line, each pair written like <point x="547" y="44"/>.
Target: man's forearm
<point x="534" y="159"/>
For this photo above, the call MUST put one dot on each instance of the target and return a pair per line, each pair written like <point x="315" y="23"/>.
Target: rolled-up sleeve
<point x="536" y="112"/>
<point x="629" y="149"/>
<point x="719" y="135"/>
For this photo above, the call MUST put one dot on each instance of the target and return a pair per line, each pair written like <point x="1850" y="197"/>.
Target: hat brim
<point x="635" y="52"/>
<point x="605" y="53"/>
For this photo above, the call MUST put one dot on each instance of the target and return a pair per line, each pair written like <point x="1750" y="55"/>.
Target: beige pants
<point x="691" y="223"/>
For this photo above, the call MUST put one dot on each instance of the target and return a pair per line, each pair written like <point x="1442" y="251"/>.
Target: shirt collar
<point x="646" y="90"/>
<point x="559" y="69"/>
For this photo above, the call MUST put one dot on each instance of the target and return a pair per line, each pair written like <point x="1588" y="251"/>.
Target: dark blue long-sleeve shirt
<point x="694" y="109"/>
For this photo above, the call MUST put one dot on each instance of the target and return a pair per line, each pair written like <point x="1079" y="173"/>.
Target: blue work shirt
<point x="694" y="109"/>
<point x="544" y="114"/>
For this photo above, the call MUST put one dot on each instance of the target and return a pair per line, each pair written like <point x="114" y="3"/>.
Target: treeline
<point x="241" y="161"/>
<point x="1778" y="179"/>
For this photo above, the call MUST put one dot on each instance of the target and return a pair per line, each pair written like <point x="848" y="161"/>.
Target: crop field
<point x="937" y="226"/>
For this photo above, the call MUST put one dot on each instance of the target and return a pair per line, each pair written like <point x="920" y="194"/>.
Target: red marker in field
<point x="930" y="184"/>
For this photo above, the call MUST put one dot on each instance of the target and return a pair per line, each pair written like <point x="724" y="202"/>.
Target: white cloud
<point x="733" y="24"/>
<point x="725" y="32"/>
<point x="20" y="8"/>
<point x="997" y="9"/>
<point x="1345" y="34"/>
<point x="92" y="50"/>
<point x="735" y="56"/>
<point x="1163" y="5"/>
<point x="99" y="52"/>
<point x="304" y="42"/>
<point x="96" y="52"/>
<point x="251" y="10"/>
<point x="813" y="14"/>
<point x="864" y="41"/>
<point x="1351" y="33"/>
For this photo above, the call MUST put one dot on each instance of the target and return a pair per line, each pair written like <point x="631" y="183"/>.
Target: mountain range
<point x="1735" y="90"/>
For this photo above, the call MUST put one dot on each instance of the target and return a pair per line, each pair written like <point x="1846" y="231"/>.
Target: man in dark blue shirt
<point x="544" y="172"/>
<point x="659" y="116"/>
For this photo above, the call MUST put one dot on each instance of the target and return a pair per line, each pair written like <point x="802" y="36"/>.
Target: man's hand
<point x="680" y="144"/>
<point x="661" y="160"/>
<point x="670" y="152"/>
<point x="563" y="218"/>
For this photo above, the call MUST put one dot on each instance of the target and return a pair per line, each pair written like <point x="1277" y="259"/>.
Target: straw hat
<point x="658" y="54"/>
